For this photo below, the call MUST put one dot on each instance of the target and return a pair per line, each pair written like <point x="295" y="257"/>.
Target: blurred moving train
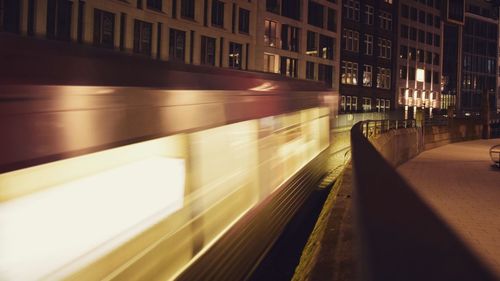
<point x="121" y="167"/>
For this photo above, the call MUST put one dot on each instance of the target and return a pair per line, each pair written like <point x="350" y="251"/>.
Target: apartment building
<point x="480" y="55"/>
<point x="298" y="39"/>
<point x="295" y="38"/>
<point x="419" y="64"/>
<point x="367" y="58"/>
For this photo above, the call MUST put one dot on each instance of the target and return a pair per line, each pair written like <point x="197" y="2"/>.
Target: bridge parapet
<point x="400" y="237"/>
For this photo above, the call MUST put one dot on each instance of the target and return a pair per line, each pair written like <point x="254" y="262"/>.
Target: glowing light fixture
<point x="420" y="75"/>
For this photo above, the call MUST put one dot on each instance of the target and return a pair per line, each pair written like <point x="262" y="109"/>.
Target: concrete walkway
<point x="460" y="184"/>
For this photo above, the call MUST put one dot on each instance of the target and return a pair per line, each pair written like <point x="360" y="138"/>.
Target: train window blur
<point x="171" y="198"/>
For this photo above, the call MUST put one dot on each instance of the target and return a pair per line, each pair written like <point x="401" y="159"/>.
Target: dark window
<point x="435" y="61"/>
<point x="413" y="34"/>
<point x="436" y="79"/>
<point x="430" y="19"/>
<point x="428" y="75"/>
<point x="79" y="28"/>
<point x="437" y="40"/>
<point x="310" y="70"/>
<point x="404" y="11"/>
<point x="158" y="40"/>
<point x="217" y="13"/>
<point x="291" y="9"/>
<point x="411" y="73"/>
<point x="154" y="4"/>
<point x="456" y="10"/>
<point x="288" y="66"/>
<point x="273" y="6"/>
<point x="428" y="57"/>
<point x="244" y="21"/>
<point x="325" y="73"/>
<point x="31" y="16"/>
<point x="326" y="45"/>
<point x="235" y="55"/>
<point x="315" y="14"/>
<point x="413" y="13"/>
<point x="123" y="20"/>
<point x="207" y="50"/>
<point x="332" y="20"/>
<point x="289" y="38"/>
<point x="174" y="9"/>
<point x="437" y="4"/>
<point x="437" y="21"/>
<point x="403" y="72"/>
<point x="421" y="36"/>
<point x="104" y="28"/>
<point x="404" y="31"/>
<point x="312" y="48"/>
<point x="139" y="4"/>
<point x="421" y="55"/>
<point x="421" y="16"/>
<point x="10" y="15"/>
<point x="428" y="38"/>
<point x="412" y="54"/>
<point x="187" y="9"/>
<point x="177" y="45"/>
<point x="403" y="52"/>
<point x="59" y="19"/>
<point x="142" y="37"/>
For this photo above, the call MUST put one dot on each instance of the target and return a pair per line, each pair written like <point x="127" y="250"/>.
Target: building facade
<point x="480" y="57"/>
<point x="295" y="38"/>
<point x="367" y="57"/>
<point x="419" y="63"/>
<point x="299" y="39"/>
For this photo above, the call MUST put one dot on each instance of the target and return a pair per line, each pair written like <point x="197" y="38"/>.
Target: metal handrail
<point x="495" y="155"/>
<point x="372" y="128"/>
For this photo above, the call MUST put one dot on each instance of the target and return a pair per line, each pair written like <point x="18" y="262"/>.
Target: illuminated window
<point x="235" y="55"/>
<point x="270" y="33"/>
<point x="312" y="45"/>
<point x="349" y="73"/>
<point x="420" y="75"/>
<point x="288" y="66"/>
<point x="367" y="75"/>
<point x="367" y="104"/>
<point x="384" y="78"/>
<point x="326" y="46"/>
<point x="270" y="63"/>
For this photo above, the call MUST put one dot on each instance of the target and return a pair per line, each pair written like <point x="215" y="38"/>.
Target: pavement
<point x="460" y="184"/>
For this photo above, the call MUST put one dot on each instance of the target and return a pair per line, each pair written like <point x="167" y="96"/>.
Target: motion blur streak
<point x="148" y="210"/>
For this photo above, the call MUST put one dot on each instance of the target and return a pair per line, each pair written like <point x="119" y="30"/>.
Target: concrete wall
<point x="457" y="130"/>
<point x="398" y="146"/>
